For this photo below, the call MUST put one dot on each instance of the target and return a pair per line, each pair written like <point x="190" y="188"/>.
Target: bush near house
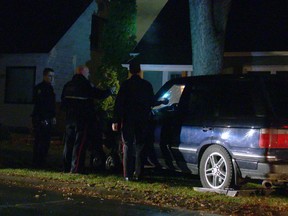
<point x="108" y="79"/>
<point x="119" y="38"/>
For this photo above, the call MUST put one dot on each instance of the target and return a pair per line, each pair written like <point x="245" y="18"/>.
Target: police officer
<point x="43" y="116"/>
<point x="132" y="108"/>
<point x="77" y="101"/>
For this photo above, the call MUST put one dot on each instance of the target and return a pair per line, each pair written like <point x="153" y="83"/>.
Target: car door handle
<point x="205" y="129"/>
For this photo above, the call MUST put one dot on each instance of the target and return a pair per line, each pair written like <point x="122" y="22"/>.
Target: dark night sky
<point x="21" y="22"/>
<point x="25" y="17"/>
<point x="36" y="24"/>
<point x="258" y="25"/>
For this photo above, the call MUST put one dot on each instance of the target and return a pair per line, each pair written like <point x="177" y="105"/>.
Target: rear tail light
<point x="273" y="138"/>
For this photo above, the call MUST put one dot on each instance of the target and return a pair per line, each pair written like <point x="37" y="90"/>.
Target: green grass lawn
<point x="162" y="188"/>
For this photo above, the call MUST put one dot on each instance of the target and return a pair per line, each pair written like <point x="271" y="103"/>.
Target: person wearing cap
<point x="131" y="116"/>
<point x="43" y="116"/>
<point x="77" y="101"/>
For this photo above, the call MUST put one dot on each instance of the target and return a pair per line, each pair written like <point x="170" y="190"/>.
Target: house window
<point x="19" y="84"/>
<point x="174" y="75"/>
<point x="155" y="78"/>
<point x="271" y="69"/>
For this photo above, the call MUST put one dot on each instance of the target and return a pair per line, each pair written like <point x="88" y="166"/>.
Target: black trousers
<point x="75" y="146"/>
<point x="134" y="136"/>
<point x="42" y="138"/>
<point x="95" y="134"/>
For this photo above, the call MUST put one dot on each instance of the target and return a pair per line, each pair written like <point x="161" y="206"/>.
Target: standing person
<point x="77" y="101"/>
<point x="43" y="116"/>
<point x="132" y="108"/>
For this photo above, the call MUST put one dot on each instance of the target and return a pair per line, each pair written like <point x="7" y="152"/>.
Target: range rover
<point x="224" y="128"/>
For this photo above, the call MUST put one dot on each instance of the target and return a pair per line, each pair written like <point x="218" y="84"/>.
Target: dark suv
<point x="224" y="127"/>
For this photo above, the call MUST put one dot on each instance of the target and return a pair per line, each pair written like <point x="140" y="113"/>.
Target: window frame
<point x="272" y="69"/>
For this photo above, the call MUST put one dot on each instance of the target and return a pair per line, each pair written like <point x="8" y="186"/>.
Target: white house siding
<point x="158" y="75"/>
<point x="73" y="49"/>
<point x="18" y="114"/>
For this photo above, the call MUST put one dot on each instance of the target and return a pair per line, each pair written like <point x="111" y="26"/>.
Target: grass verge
<point x="161" y="188"/>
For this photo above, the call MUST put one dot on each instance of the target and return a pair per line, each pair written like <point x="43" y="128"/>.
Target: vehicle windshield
<point x="278" y="97"/>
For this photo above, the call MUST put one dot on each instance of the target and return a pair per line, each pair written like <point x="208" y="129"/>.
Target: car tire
<point x="110" y="163"/>
<point x="216" y="169"/>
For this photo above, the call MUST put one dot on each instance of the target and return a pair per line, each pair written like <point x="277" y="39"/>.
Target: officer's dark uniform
<point x="77" y="100"/>
<point x="132" y="109"/>
<point x="42" y="115"/>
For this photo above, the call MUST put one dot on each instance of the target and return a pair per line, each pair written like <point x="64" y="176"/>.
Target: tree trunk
<point x="208" y="20"/>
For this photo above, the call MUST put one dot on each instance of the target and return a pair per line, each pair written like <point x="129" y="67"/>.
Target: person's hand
<point x="115" y="127"/>
<point x="54" y="121"/>
<point x="113" y="90"/>
<point x="165" y="101"/>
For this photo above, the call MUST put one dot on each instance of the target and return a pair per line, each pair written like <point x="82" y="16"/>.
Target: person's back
<point x="76" y="98"/>
<point x="138" y="98"/>
<point x="132" y="108"/>
<point x="77" y="101"/>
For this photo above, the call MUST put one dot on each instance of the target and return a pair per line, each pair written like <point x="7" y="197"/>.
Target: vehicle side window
<point x="235" y="99"/>
<point x="277" y="97"/>
<point x="197" y="103"/>
<point x="173" y="96"/>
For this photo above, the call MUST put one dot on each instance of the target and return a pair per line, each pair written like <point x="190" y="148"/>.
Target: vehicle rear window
<point x="278" y="97"/>
<point x="224" y="100"/>
<point x="234" y="100"/>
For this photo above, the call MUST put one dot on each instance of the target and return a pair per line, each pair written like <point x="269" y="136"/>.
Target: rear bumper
<point x="265" y="171"/>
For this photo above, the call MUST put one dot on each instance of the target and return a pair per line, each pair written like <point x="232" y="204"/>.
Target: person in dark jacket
<point x="43" y="116"/>
<point x="132" y="109"/>
<point x="77" y="101"/>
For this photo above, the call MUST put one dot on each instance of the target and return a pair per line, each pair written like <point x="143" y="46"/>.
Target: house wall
<point x="155" y="78"/>
<point x="18" y="114"/>
<point x="238" y="64"/>
<point x="157" y="75"/>
<point x="159" y="78"/>
<point x="71" y="50"/>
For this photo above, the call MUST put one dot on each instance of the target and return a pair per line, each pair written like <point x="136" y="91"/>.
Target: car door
<point x="166" y="123"/>
<point x="195" y="125"/>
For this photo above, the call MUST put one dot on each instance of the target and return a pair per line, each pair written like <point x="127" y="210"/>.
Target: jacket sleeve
<point x="100" y="94"/>
<point x="151" y="96"/>
<point x="119" y="105"/>
<point x="97" y="93"/>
